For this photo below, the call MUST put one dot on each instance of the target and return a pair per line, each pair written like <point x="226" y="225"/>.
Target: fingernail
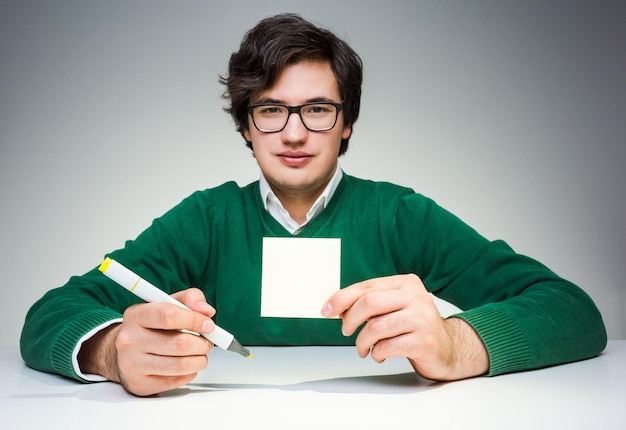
<point x="203" y="304"/>
<point x="327" y="310"/>
<point x="207" y="326"/>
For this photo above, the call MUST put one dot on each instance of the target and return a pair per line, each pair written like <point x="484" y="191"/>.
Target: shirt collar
<point x="276" y="209"/>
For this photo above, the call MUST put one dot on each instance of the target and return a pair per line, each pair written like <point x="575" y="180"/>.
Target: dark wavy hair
<point x="280" y="41"/>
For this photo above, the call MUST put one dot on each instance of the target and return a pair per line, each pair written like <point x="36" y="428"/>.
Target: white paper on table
<point x="299" y="275"/>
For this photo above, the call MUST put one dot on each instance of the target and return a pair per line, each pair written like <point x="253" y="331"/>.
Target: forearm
<point x="467" y="356"/>
<point x="98" y="355"/>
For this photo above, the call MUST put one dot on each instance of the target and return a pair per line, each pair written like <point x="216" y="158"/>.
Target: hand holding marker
<point x="148" y="292"/>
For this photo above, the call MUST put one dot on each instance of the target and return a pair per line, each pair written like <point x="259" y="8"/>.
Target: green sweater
<point x="526" y="315"/>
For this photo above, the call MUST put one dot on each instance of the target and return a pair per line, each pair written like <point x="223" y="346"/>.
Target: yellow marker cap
<point x="105" y="265"/>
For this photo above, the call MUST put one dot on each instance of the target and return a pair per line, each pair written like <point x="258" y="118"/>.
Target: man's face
<point x="296" y="162"/>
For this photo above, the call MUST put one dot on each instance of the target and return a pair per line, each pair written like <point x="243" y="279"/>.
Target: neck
<point x="298" y="200"/>
<point x="298" y="204"/>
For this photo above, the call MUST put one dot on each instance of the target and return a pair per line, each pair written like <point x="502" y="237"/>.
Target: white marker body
<point x="148" y="292"/>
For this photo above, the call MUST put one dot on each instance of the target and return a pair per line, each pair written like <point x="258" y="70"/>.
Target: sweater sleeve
<point x="526" y="315"/>
<point x="163" y="254"/>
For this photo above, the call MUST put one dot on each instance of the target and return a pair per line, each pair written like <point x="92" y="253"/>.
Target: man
<point x="294" y="92"/>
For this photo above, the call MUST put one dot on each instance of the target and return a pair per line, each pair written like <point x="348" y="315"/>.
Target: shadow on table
<point x="404" y="383"/>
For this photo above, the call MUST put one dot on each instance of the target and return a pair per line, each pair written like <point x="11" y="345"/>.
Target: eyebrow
<point x="269" y="100"/>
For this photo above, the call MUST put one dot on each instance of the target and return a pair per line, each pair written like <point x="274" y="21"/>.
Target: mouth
<point x="292" y="158"/>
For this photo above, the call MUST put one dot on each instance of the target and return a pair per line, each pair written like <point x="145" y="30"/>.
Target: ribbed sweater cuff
<point x="65" y="343"/>
<point x="506" y="345"/>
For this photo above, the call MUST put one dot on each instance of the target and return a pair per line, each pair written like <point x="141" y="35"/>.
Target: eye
<point x="320" y="109"/>
<point x="269" y="110"/>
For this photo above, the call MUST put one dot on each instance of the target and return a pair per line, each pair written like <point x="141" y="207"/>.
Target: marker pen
<point x="148" y="292"/>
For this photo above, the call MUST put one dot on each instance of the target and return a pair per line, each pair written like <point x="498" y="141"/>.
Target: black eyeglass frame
<point x="298" y="110"/>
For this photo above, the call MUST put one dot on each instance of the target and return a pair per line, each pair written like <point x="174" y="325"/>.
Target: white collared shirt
<point x="276" y="209"/>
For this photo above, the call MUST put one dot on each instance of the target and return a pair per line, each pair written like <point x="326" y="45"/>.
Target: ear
<point x="347" y="131"/>
<point x="246" y="135"/>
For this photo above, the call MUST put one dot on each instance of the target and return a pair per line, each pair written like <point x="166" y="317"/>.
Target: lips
<point x="294" y="158"/>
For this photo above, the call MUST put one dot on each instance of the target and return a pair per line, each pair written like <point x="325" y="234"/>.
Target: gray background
<point x="510" y="114"/>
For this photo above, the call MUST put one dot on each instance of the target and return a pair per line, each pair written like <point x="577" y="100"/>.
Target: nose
<point x="294" y="131"/>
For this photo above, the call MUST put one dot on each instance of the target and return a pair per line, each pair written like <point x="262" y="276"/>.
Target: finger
<point x="169" y="363"/>
<point x="379" y="330"/>
<point x="398" y="346"/>
<point x="151" y="384"/>
<point x="180" y="344"/>
<point x="343" y="299"/>
<point x="194" y="299"/>
<point x="160" y="374"/>
<point x="369" y="305"/>
<point x="166" y="316"/>
<point x="387" y="296"/>
<point x="136" y="341"/>
<point x="163" y="365"/>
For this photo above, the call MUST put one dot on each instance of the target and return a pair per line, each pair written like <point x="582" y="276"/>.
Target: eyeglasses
<point x="273" y="117"/>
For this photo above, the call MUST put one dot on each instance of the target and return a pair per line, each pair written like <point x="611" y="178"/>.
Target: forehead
<point x="301" y="82"/>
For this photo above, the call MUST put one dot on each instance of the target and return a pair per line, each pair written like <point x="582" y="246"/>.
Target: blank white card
<point x="299" y="275"/>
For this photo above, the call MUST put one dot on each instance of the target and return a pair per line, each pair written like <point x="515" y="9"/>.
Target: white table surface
<point x="324" y="387"/>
